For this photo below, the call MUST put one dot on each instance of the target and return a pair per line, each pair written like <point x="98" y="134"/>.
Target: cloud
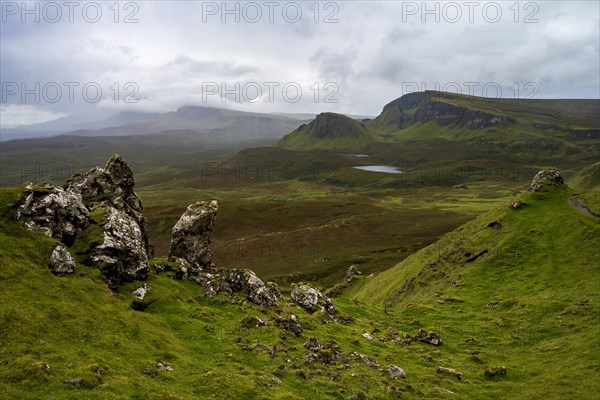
<point x="24" y="114"/>
<point x="369" y="50"/>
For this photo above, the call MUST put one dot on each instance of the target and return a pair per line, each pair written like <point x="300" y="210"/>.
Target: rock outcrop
<point x="230" y="281"/>
<point x="312" y="299"/>
<point x="547" y="180"/>
<point x="422" y="107"/>
<point x="351" y="274"/>
<point x="191" y="234"/>
<point x="122" y="256"/>
<point x="122" y="251"/>
<point x="111" y="186"/>
<point x="56" y="212"/>
<point x="61" y="261"/>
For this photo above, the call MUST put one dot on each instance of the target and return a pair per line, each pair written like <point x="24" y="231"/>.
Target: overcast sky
<point x="305" y="57"/>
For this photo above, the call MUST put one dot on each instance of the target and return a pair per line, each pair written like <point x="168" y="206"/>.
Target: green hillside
<point x="328" y="131"/>
<point x="519" y="285"/>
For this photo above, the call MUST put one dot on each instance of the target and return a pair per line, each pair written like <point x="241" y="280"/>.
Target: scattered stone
<point x="46" y="368"/>
<point x="547" y="179"/>
<point x="263" y="347"/>
<point x="515" y="205"/>
<point x="351" y="274"/>
<point x="61" y="261"/>
<point x="428" y="337"/>
<point x="439" y="389"/>
<point x="140" y="292"/>
<point x="312" y="344"/>
<point x="267" y="295"/>
<point x="74" y="381"/>
<point x="326" y="354"/>
<point x="289" y="322"/>
<point x="346" y="319"/>
<point x="253" y="322"/>
<point x="150" y="371"/>
<point x="495" y="225"/>
<point x="191" y="234"/>
<point x="395" y="372"/>
<point x="312" y="299"/>
<point x="163" y="366"/>
<point x="495" y="371"/>
<point x="492" y="305"/>
<point x="448" y="372"/>
<point x="370" y="361"/>
<point x="368" y="336"/>
<point x="216" y="280"/>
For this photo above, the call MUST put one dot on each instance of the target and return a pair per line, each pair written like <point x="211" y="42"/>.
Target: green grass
<point x="541" y="267"/>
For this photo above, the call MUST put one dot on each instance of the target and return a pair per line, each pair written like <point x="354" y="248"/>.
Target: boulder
<point x="58" y="213"/>
<point x="289" y="322"/>
<point x="191" y="234"/>
<point x="122" y="255"/>
<point x="351" y="273"/>
<point x="230" y="281"/>
<point x="312" y="299"/>
<point x="546" y="180"/>
<point x="111" y="186"/>
<point x="61" y="261"/>
<point x="449" y="372"/>
<point x="395" y="372"/>
<point x="495" y="371"/>
<point x="428" y="337"/>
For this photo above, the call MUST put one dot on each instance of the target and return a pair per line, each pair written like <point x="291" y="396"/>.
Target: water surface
<point x="379" y="168"/>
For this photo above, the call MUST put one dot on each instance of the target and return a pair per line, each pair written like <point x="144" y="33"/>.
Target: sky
<point x="63" y="58"/>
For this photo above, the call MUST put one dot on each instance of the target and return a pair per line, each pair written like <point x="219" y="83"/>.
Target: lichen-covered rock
<point x="428" y="337"/>
<point x="312" y="299"/>
<point x="191" y="234"/>
<point x="370" y="361"/>
<point x="111" y="186"/>
<point x="289" y="322"/>
<point x="495" y="371"/>
<point x="140" y="292"/>
<point x="56" y="212"/>
<point x="312" y="344"/>
<point x="61" y="261"/>
<point x="448" y="372"/>
<point x="122" y="255"/>
<point x="351" y="273"/>
<point x="230" y="281"/>
<point x="547" y="179"/>
<point x="326" y="354"/>
<point x="395" y="372"/>
<point x="267" y="295"/>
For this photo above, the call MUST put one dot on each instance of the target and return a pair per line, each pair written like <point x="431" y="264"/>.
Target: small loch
<point x="379" y="168"/>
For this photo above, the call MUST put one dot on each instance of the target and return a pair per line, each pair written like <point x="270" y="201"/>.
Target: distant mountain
<point x="329" y="131"/>
<point x="224" y="124"/>
<point x="99" y="120"/>
<point x="478" y="113"/>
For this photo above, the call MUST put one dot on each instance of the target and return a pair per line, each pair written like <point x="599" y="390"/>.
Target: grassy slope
<point x="587" y="182"/>
<point x="80" y="329"/>
<point x="542" y="269"/>
<point x="344" y="134"/>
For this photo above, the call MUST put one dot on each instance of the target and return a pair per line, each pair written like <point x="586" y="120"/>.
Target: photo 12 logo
<point x="53" y="92"/>
<point x="493" y="90"/>
<point x="453" y="12"/>
<point x="270" y="11"/>
<point x="255" y="92"/>
<point x="54" y="12"/>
